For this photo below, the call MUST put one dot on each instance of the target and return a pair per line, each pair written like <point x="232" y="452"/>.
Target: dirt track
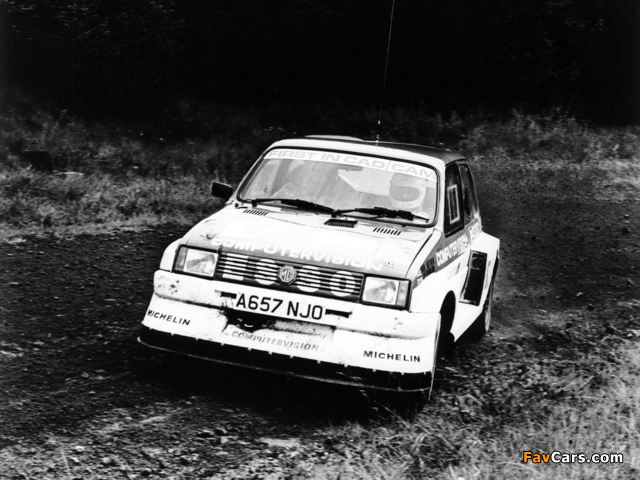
<point x="81" y="399"/>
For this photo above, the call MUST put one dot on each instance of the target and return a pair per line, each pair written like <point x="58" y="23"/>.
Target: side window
<point x="452" y="201"/>
<point x="469" y="198"/>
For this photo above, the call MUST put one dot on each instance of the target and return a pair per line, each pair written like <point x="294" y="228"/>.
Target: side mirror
<point x="221" y="190"/>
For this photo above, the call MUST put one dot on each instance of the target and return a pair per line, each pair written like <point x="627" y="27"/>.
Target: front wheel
<point x="411" y="403"/>
<point x="436" y="350"/>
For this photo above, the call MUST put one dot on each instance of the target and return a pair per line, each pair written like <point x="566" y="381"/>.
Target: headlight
<point x="385" y="291"/>
<point x="196" y="262"/>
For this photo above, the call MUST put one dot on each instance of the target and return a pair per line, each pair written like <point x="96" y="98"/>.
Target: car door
<point x="478" y="259"/>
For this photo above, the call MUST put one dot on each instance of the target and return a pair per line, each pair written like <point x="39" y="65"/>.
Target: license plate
<point x="281" y="308"/>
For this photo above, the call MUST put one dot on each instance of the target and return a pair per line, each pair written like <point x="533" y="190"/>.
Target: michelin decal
<point x="168" y="318"/>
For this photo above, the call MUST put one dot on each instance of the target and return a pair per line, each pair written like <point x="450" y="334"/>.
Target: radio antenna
<point x="386" y="64"/>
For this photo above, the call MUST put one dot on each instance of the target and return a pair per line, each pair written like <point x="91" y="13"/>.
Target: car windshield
<point x="344" y="181"/>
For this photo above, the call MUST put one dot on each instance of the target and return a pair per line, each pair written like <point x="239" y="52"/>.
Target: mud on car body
<point x="335" y="259"/>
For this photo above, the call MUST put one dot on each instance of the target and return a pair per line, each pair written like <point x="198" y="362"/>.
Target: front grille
<point x="310" y="279"/>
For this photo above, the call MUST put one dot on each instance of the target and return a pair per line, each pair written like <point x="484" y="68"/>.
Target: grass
<point x="583" y="396"/>
<point x="581" y="400"/>
<point x="158" y="170"/>
<point x="48" y="201"/>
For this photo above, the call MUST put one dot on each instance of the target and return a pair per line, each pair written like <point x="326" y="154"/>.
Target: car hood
<point x="301" y="237"/>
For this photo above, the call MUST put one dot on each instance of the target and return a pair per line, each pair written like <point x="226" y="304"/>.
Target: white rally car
<point x="336" y="259"/>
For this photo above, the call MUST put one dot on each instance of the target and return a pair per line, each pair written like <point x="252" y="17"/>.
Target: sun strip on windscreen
<point x="358" y="160"/>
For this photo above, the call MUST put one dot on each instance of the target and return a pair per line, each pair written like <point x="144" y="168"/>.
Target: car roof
<point x="381" y="147"/>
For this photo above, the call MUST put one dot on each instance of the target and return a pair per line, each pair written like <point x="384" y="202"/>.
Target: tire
<point x="420" y="399"/>
<point x="482" y="324"/>
<point x="412" y="403"/>
<point x="445" y="341"/>
<point x="436" y="355"/>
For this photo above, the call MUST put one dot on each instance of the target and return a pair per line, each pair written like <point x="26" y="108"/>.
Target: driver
<point x="299" y="181"/>
<point x="306" y="181"/>
<point x="407" y="192"/>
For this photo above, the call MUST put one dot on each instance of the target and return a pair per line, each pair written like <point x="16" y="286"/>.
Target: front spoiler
<point x="285" y="364"/>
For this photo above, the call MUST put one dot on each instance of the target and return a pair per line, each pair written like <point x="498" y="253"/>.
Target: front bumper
<point x="370" y="347"/>
<point x="285" y="364"/>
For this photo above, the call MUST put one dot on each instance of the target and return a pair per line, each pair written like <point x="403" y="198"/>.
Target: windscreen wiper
<point x="382" y="212"/>
<point x="295" y="202"/>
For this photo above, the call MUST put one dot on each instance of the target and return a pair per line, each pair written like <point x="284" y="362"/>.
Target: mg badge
<point x="286" y="275"/>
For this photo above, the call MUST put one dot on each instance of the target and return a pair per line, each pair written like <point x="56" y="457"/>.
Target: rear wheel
<point x="482" y="324"/>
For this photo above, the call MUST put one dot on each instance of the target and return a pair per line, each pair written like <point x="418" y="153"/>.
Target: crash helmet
<point x="407" y="192"/>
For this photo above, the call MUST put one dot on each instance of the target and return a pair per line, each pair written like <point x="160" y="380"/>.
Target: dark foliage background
<point x="453" y="55"/>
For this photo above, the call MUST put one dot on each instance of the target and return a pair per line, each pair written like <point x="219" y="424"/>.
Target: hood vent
<point x="334" y="222"/>
<point x="253" y="211"/>
<point x="387" y="231"/>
